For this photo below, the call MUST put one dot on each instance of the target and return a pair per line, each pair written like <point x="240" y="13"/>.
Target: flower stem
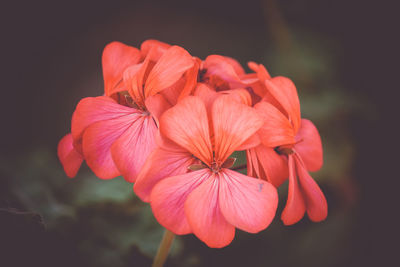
<point x="163" y="249"/>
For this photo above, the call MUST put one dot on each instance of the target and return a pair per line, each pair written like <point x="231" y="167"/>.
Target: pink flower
<point x="210" y="200"/>
<point x="116" y="132"/>
<point x="291" y="146"/>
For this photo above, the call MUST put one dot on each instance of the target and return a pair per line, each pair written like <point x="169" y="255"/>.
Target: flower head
<point x="212" y="200"/>
<point x="291" y="146"/>
<point x="115" y="133"/>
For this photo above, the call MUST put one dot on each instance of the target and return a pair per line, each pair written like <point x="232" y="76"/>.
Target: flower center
<point x="214" y="167"/>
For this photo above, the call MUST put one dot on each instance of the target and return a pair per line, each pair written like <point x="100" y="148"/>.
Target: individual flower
<point x="187" y="179"/>
<point x="291" y="146"/>
<point x="116" y="132"/>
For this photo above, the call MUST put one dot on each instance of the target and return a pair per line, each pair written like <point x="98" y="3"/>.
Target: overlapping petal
<point x="317" y="207"/>
<point x="247" y="203"/>
<point x="309" y="145"/>
<point x="93" y="109"/>
<point x="276" y="130"/>
<point x="187" y="125"/>
<point x="161" y="163"/>
<point x="97" y="141"/>
<point x="168" y="69"/>
<point x="295" y="204"/>
<point x="284" y="91"/>
<point x="131" y="149"/>
<point x="233" y="124"/>
<point x="69" y="157"/>
<point x="204" y="215"/>
<point x="304" y="195"/>
<point x="158" y="48"/>
<point x="274" y="166"/>
<point x="116" y="58"/>
<point x="169" y="196"/>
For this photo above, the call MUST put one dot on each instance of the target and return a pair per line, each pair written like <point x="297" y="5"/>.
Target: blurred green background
<point x="334" y="51"/>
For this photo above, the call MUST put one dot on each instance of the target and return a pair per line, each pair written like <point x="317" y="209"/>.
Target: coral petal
<point x="284" y="91"/>
<point x="309" y="145"/>
<point x="317" y="207"/>
<point x="241" y="95"/>
<point x="276" y="130"/>
<point x="116" y="58"/>
<point x="93" y="109"/>
<point x="250" y="142"/>
<point x="204" y="215"/>
<point x="97" y="141"/>
<point x="247" y="203"/>
<point x="158" y="49"/>
<point x="168" y="69"/>
<point x="132" y="148"/>
<point x="168" y="199"/>
<point x="274" y="165"/>
<point x="187" y="125"/>
<point x="69" y="157"/>
<point x="233" y="124"/>
<point x="157" y="105"/>
<point x="161" y="163"/>
<point x="295" y="204"/>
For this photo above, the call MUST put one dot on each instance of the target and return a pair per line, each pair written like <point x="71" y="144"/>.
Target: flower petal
<point x="261" y="71"/>
<point x="274" y="165"/>
<point x="309" y="145"/>
<point x="223" y="67"/>
<point x="157" y="105"/>
<point x="250" y="142"/>
<point x="135" y="80"/>
<point x="206" y="94"/>
<point x="204" y="215"/>
<point x="168" y="198"/>
<point x="172" y="93"/>
<point x="187" y="125"/>
<point x="116" y="58"/>
<point x="295" y="204"/>
<point x="284" y="91"/>
<point x="317" y="207"/>
<point x="233" y="124"/>
<point x="161" y="163"/>
<point x="190" y="80"/>
<point x="97" y="140"/>
<point x="70" y="158"/>
<point x="168" y="69"/>
<point x="158" y="48"/>
<point x="93" y="109"/>
<point x="241" y="95"/>
<point x="247" y="203"/>
<point x="276" y="130"/>
<point x="252" y="164"/>
<point x="131" y="149"/>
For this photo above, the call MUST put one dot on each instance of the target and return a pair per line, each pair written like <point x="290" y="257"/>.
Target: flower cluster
<point x="169" y="122"/>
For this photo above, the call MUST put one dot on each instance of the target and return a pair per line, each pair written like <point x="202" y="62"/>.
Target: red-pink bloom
<point x="289" y="145"/>
<point x="211" y="200"/>
<point x="116" y="132"/>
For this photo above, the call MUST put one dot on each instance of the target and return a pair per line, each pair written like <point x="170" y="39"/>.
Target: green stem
<point x="163" y="249"/>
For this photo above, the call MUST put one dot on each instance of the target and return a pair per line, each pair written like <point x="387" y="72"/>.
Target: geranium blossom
<point x="291" y="146"/>
<point x="170" y="122"/>
<point x="211" y="200"/>
<point x="116" y="132"/>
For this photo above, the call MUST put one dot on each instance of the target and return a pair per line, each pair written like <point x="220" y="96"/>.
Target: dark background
<point x="340" y="54"/>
